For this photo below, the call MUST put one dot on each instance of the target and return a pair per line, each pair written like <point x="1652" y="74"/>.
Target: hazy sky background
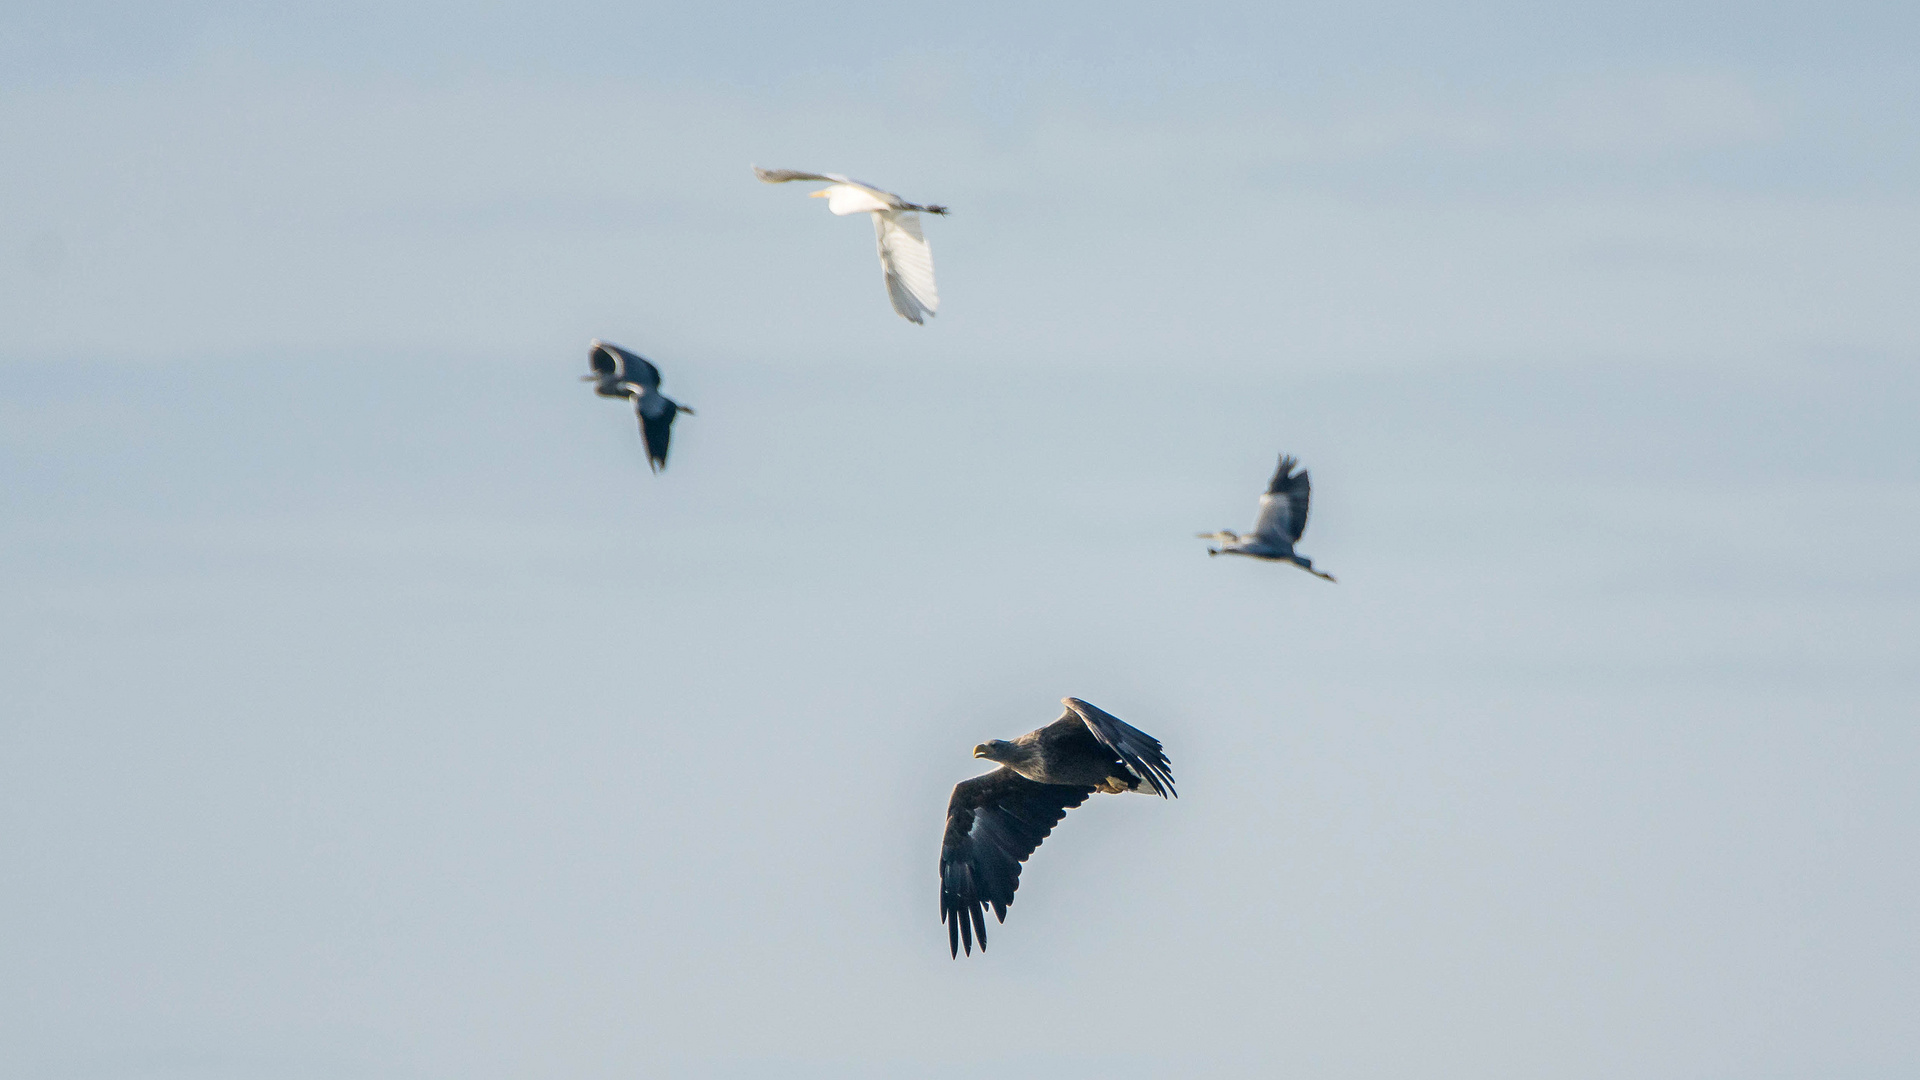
<point x="368" y="711"/>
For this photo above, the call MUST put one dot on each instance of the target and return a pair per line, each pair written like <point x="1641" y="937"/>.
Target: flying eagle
<point x="906" y="262"/>
<point x="995" y="821"/>
<point x="1283" y="517"/>
<point x="623" y="374"/>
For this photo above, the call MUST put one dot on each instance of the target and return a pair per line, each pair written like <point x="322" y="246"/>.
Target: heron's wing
<point x="641" y="372"/>
<point x="634" y="368"/>
<point x="906" y="263"/>
<point x="993" y="823"/>
<point x="781" y="176"/>
<point x="1283" y="509"/>
<point x="655" y="431"/>
<point x="1275" y="523"/>
<point x="1136" y="749"/>
<point x="602" y="359"/>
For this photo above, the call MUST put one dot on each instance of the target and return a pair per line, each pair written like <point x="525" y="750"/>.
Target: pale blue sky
<point x="368" y="711"/>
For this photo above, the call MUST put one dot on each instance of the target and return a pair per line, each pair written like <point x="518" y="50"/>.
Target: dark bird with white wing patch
<point x="995" y="821"/>
<point x="622" y="374"/>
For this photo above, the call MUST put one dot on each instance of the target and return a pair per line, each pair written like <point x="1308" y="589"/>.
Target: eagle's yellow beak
<point x="821" y="194"/>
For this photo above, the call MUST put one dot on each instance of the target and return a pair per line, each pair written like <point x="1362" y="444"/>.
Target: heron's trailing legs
<point x="1307" y="565"/>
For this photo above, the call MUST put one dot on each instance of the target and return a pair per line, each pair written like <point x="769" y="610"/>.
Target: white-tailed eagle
<point x="995" y="821"/>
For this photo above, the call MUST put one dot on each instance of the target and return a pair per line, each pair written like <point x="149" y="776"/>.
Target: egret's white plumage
<point x="906" y="262"/>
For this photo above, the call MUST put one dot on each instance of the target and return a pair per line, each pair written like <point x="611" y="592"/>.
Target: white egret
<point x="906" y="262"/>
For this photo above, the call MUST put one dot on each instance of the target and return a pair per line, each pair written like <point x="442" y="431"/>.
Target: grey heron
<point x="996" y="820"/>
<point x="622" y="374"/>
<point x="906" y="262"/>
<point x="1283" y="516"/>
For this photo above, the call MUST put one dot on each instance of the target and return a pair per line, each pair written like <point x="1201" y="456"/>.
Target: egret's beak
<point x="821" y="194"/>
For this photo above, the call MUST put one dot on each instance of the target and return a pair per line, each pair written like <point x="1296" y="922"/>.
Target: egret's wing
<point x="993" y="823"/>
<point x="1136" y="749"/>
<point x="1283" y="509"/>
<point x="656" y="431"/>
<point x="906" y="264"/>
<point x="781" y="176"/>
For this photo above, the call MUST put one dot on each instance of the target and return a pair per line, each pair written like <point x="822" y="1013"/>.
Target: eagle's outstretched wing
<point x="993" y="823"/>
<point x="1136" y="749"/>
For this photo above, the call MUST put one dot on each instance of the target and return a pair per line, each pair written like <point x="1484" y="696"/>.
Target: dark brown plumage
<point x="995" y="821"/>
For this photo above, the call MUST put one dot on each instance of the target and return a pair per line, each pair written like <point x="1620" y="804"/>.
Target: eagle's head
<point x="994" y="750"/>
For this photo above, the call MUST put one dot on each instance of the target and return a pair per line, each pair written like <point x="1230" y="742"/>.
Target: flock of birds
<point x="995" y="820"/>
